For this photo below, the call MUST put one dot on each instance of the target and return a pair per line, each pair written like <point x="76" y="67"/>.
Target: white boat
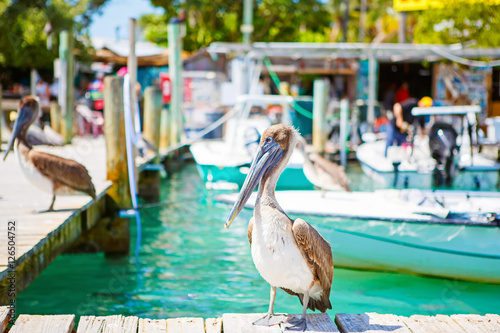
<point x="415" y="169"/>
<point x="414" y="166"/>
<point x="224" y="164"/>
<point x="450" y="234"/>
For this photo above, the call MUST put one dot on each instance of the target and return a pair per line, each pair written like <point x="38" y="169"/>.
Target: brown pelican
<point x="50" y="173"/>
<point x="288" y="254"/>
<point x="325" y="174"/>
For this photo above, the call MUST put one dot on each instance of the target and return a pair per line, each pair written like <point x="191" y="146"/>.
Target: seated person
<point x="399" y="129"/>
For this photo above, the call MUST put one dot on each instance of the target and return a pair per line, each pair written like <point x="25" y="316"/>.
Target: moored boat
<point x="450" y="234"/>
<point x="446" y="156"/>
<point x="224" y="164"/>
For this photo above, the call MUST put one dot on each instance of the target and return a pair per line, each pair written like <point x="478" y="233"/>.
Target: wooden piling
<point x="320" y="101"/>
<point x="175" y="71"/>
<point x="164" y="129"/>
<point x="152" y="116"/>
<point x="344" y="118"/>
<point x="372" y="88"/>
<point x="116" y="163"/>
<point x="1" y="116"/>
<point x="68" y="90"/>
<point x="114" y="132"/>
<point x="55" y="117"/>
<point x="149" y="180"/>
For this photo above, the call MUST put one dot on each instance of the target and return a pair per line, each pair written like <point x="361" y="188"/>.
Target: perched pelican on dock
<point x="323" y="173"/>
<point x="288" y="254"/>
<point x="50" y="173"/>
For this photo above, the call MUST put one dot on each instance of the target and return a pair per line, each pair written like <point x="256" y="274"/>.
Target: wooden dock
<point x="242" y="323"/>
<point x="30" y="240"/>
<point x="40" y="237"/>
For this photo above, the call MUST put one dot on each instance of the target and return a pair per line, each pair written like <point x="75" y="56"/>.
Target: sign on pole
<point x="411" y="5"/>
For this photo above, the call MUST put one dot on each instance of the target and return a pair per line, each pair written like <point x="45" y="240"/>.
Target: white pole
<point x="132" y="70"/>
<point x="344" y="110"/>
<point x="370" y="117"/>
<point x="33" y="79"/>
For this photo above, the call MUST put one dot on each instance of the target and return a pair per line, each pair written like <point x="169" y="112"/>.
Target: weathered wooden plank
<point x="181" y="325"/>
<point x="494" y="318"/>
<point x="213" y="325"/>
<point x="91" y="324"/>
<point x="370" y="322"/>
<point x="152" y="326"/>
<point x="4" y="317"/>
<point x="240" y="322"/>
<point x="316" y="322"/>
<point x="44" y="324"/>
<point x="428" y="324"/>
<point x="476" y="323"/>
<point x="120" y="324"/>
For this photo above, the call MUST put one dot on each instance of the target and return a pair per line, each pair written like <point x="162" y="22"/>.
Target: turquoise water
<point x="190" y="266"/>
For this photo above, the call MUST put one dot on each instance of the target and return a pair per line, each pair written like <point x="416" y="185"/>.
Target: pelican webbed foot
<point x="270" y="319"/>
<point x="296" y="324"/>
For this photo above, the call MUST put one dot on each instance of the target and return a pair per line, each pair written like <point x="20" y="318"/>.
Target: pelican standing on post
<point x="288" y="254"/>
<point x="50" y="173"/>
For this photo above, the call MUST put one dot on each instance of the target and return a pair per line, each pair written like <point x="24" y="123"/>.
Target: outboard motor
<point x="443" y="147"/>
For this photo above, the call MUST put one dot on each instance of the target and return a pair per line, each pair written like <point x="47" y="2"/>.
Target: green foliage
<point x="459" y="21"/>
<point x="320" y="21"/>
<point x="207" y="22"/>
<point x="220" y="20"/>
<point x="23" y="42"/>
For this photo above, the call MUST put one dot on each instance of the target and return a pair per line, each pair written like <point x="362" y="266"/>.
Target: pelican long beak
<point x="23" y="115"/>
<point x="268" y="155"/>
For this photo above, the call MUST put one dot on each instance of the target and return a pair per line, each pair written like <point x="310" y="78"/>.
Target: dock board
<point x="374" y="322"/>
<point x="4" y="318"/>
<point x="40" y="237"/>
<point x="242" y="323"/>
<point x="44" y="324"/>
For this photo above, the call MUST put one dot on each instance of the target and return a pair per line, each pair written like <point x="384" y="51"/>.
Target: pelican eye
<point x="269" y="139"/>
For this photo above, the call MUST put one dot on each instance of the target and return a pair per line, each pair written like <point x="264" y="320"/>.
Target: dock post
<point x="117" y="240"/>
<point x="344" y="118"/>
<point x="175" y="33"/>
<point x="320" y="101"/>
<point x="149" y="180"/>
<point x="55" y="117"/>
<point x="372" y="88"/>
<point x="33" y="81"/>
<point x="1" y="116"/>
<point x="164" y="129"/>
<point x="67" y="89"/>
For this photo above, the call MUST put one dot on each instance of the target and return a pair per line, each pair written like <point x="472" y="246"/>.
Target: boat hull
<point x="394" y="230"/>
<point x="448" y="251"/>
<point x="291" y="178"/>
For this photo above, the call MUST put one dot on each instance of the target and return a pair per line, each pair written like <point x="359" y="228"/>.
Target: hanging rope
<point x="131" y="139"/>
